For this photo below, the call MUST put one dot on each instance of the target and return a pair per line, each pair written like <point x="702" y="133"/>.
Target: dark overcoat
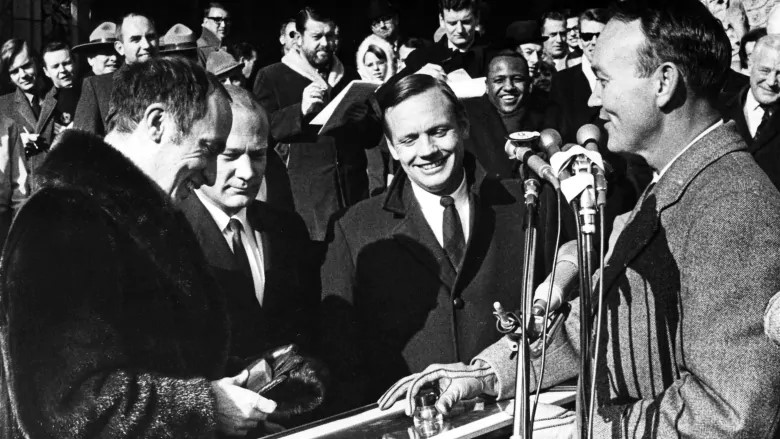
<point x="683" y="350"/>
<point x="124" y="332"/>
<point x="16" y="106"/>
<point x="326" y="172"/>
<point x="92" y="109"/>
<point x="393" y="303"/>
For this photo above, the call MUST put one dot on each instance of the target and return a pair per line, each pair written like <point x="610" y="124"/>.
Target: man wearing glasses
<point x="384" y="22"/>
<point x="216" y="27"/>
<point x="573" y="36"/>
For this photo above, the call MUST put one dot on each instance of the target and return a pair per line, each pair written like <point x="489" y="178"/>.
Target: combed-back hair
<point x="243" y="99"/>
<point x="217" y="5"/>
<point x="599" y="15"/>
<point x="685" y="33"/>
<point x="310" y="13"/>
<point x="131" y="15"/>
<point x="180" y="85"/>
<point x="54" y="46"/>
<point x="414" y="85"/>
<point x="752" y="36"/>
<point x="553" y="16"/>
<point x="459" y="5"/>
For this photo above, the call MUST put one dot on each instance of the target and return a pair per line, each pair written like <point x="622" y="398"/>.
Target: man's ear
<point x="391" y="147"/>
<point x="119" y="47"/>
<point x="153" y="122"/>
<point x="666" y="80"/>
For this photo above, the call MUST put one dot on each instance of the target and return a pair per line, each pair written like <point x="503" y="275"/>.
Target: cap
<point x="221" y="62"/>
<point x="379" y="8"/>
<point x="179" y="38"/>
<point x="103" y="35"/>
<point x="522" y="32"/>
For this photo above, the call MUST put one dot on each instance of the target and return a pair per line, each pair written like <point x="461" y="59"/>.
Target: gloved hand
<point x="456" y="382"/>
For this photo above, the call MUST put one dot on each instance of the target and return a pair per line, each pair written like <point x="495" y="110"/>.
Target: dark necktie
<point x="454" y="241"/>
<point x="241" y="257"/>
<point x="764" y="123"/>
<point x="35" y="103"/>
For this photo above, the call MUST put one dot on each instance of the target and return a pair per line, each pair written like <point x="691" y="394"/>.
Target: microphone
<point x="526" y="155"/>
<point x="550" y="141"/>
<point x="589" y="136"/>
<point x="566" y="272"/>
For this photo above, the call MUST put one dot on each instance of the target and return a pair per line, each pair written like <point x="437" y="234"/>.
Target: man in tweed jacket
<point x="682" y="350"/>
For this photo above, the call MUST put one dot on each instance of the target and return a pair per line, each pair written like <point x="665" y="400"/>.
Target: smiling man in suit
<point x="702" y="242"/>
<point x="410" y="278"/>
<point x="258" y="254"/>
<point x="755" y="109"/>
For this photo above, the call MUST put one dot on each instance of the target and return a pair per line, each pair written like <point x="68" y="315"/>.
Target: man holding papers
<point x="326" y="171"/>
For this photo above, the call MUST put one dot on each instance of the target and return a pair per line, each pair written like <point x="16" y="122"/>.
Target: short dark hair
<point x="310" y="13"/>
<point x="242" y="50"/>
<point x="599" y="15"/>
<point x="181" y="85"/>
<point x="685" y="33"/>
<point x="415" y="43"/>
<point x="217" y="5"/>
<point x="459" y="5"/>
<point x="552" y="16"/>
<point x="414" y="85"/>
<point x="750" y="37"/>
<point x="131" y="15"/>
<point x="509" y="53"/>
<point x="54" y="46"/>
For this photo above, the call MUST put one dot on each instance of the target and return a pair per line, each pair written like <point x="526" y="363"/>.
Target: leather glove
<point x="456" y="382"/>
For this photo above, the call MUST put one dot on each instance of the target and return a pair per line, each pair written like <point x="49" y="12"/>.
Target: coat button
<point x="458" y="303"/>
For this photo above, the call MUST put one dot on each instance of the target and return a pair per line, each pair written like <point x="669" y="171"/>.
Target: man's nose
<point x="426" y="146"/>
<point x="244" y="168"/>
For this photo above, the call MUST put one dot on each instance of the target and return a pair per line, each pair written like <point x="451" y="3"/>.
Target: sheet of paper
<point x="332" y="116"/>
<point x="470" y="88"/>
<point x="458" y="75"/>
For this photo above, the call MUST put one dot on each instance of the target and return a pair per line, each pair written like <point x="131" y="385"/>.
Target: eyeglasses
<point x="387" y="19"/>
<point x="587" y="36"/>
<point x="220" y="20"/>
<point x="561" y="34"/>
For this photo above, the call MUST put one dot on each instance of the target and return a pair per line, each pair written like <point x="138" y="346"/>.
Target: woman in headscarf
<point x="375" y="59"/>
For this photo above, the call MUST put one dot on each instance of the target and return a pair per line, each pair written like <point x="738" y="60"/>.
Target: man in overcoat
<point x="682" y="350"/>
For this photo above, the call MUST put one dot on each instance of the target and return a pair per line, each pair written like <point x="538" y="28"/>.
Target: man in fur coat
<point x="126" y="333"/>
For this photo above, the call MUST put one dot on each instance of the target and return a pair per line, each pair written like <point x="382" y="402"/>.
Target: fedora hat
<point x="179" y="38"/>
<point x="103" y="35"/>
<point x="221" y="62"/>
<point x="522" y="32"/>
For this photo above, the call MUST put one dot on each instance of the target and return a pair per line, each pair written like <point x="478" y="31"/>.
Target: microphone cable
<point x="599" y="317"/>
<point x="547" y="311"/>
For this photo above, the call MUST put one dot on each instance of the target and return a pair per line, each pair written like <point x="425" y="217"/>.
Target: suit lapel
<point x="414" y="234"/>
<point x="213" y="243"/>
<point x="47" y="110"/>
<point x="24" y="108"/>
<point x="767" y="134"/>
<point x="262" y="230"/>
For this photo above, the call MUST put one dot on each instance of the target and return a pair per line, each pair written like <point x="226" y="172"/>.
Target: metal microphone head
<point x="550" y="141"/>
<point x="589" y="136"/>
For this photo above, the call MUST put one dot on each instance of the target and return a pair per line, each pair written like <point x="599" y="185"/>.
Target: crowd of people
<point x="186" y="255"/>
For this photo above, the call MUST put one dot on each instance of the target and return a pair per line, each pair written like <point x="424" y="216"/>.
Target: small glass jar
<point x="427" y="419"/>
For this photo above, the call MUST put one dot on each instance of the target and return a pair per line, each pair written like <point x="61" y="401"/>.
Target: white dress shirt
<point x="251" y="239"/>
<point x="433" y="211"/>
<point x="753" y="113"/>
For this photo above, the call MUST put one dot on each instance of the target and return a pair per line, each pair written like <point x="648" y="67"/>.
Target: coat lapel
<point x="414" y="234"/>
<point x="644" y="221"/>
<point x="216" y="250"/>
<point x="47" y="110"/>
<point x="24" y="108"/>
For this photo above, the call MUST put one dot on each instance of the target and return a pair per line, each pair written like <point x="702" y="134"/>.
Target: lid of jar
<point x="426" y="399"/>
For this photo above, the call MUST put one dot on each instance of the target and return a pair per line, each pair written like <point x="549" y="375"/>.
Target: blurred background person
<point x="375" y="59"/>
<point x="246" y="53"/>
<point x="227" y="70"/>
<point x="179" y="41"/>
<point x="99" y="51"/>
<point x="21" y="69"/>
<point x="215" y="29"/>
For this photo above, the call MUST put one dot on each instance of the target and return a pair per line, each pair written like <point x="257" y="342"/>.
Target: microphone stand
<point x="522" y="427"/>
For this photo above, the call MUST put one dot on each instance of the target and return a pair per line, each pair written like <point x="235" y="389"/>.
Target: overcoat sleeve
<point x="286" y="121"/>
<point x="87" y="117"/>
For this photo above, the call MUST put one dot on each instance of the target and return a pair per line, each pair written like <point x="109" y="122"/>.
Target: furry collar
<point x="296" y="61"/>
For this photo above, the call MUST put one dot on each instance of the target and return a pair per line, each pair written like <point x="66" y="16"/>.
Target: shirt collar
<point x="588" y="71"/>
<point x="750" y="102"/>
<point x="456" y="49"/>
<point x="657" y="176"/>
<point x="220" y="217"/>
<point x="426" y="198"/>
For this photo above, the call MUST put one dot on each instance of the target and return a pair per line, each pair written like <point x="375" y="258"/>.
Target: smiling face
<point x="628" y="102"/>
<point x="589" y="36"/>
<point x="139" y="39"/>
<point x="187" y="161"/>
<point x="765" y="75"/>
<point x="507" y="82"/>
<point x="104" y="61"/>
<point x="318" y="43"/>
<point x="375" y="65"/>
<point x="240" y="168"/>
<point x="460" y="26"/>
<point x="58" y="66"/>
<point x="427" y="140"/>
<point x="22" y="71"/>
